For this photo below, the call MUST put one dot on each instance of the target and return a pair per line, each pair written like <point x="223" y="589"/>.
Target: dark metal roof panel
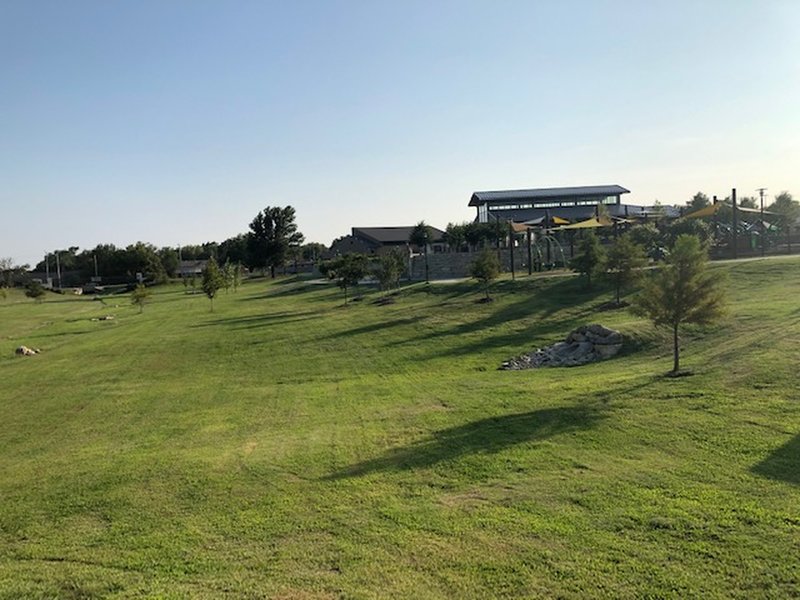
<point x="389" y="235"/>
<point x="546" y="193"/>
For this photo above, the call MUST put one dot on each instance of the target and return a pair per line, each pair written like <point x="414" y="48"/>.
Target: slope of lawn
<point x="286" y="446"/>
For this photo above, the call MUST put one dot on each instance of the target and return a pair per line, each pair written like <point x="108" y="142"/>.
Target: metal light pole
<point x="735" y="225"/>
<point x="763" y="228"/>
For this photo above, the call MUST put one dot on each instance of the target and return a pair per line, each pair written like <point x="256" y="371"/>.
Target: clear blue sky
<point x="176" y="122"/>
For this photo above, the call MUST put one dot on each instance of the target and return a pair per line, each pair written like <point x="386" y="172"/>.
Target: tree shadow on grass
<point x="553" y="308"/>
<point x="373" y="327"/>
<point x="254" y="321"/>
<point x="486" y="436"/>
<point x="783" y="464"/>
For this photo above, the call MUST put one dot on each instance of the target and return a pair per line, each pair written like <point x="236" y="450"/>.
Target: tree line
<point x="273" y="240"/>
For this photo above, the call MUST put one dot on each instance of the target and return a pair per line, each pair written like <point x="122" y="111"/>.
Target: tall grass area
<point x="286" y="446"/>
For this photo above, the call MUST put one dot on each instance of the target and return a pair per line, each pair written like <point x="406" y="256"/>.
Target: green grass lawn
<point x="286" y="446"/>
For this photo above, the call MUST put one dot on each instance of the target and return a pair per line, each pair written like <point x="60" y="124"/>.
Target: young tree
<point x="346" y="270"/>
<point x="272" y="232"/>
<point x="624" y="263"/>
<point x="139" y="296"/>
<point x="390" y="267"/>
<point x="683" y="291"/>
<point x="421" y="236"/>
<point x="485" y="268"/>
<point x="35" y="290"/>
<point x="590" y="257"/>
<point x="212" y="280"/>
<point x="238" y="273"/>
<point x="228" y="275"/>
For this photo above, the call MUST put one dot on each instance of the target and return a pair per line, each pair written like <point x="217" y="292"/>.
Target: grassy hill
<point x="286" y="446"/>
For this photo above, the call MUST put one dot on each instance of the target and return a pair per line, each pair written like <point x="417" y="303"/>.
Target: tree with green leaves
<point x="389" y="269"/>
<point x="212" y="280"/>
<point x="698" y="201"/>
<point x="683" y="291"/>
<point x="747" y="202"/>
<point x="228" y="275"/>
<point x="421" y="236"/>
<point x="35" y="290"/>
<point x="455" y="236"/>
<point x="9" y="272"/>
<point x="272" y="233"/>
<point x="485" y="268"/>
<point x="312" y="251"/>
<point x="140" y="296"/>
<point x="238" y="274"/>
<point x="694" y="227"/>
<point x="648" y="237"/>
<point x="589" y="258"/>
<point x="346" y="270"/>
<point x="787" y="209"/>
<point x="624" y="263"/>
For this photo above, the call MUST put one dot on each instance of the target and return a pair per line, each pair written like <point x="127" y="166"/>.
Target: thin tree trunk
<point x="427" y="280"/>
<point x="675" y="350"/>
<point x="618" y="286"/>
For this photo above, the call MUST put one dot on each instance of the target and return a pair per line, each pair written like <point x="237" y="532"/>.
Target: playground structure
<point x="735" y="231"/>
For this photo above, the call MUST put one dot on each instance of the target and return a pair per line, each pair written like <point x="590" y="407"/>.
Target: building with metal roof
<point x="373" y="240"/>
<point x="567" y="202"/>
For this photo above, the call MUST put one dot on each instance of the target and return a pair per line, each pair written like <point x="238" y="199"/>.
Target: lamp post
<point x="763" y="227"/>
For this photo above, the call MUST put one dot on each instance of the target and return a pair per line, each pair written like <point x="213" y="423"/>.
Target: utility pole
<point x="763" y="228"/>
<point x="58" y="269"/>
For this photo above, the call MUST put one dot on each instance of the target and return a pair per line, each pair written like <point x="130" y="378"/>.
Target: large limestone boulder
<point x="587" y="343"/>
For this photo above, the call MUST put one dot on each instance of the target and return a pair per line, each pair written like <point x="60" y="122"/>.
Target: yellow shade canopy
<point x="592" y="223"/>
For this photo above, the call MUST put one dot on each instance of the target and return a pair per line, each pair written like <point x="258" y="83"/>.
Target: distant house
<point x="376" y="240"/>
<point x="190" y="268"/>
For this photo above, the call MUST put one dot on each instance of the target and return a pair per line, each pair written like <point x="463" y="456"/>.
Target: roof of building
<point x="390" y="235"/>
<point x="546" y="193"/>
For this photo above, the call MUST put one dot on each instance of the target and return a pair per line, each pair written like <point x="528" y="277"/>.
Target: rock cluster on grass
<point x="588" y="343"/>
<point x="25" y="351"/>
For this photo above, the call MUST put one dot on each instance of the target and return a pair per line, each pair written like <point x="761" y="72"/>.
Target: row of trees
<point x="349" y="269"/>
<point x="272" y="241"/>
